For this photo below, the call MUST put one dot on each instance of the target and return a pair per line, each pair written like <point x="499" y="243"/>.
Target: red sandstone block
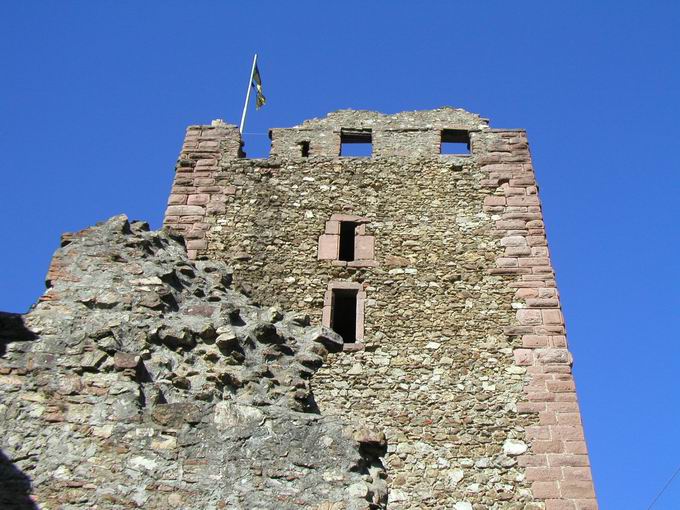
<point x="536" y="232"/>
<point x="561" y="386"/>
<point x="176" y="199"/>
<point x="364" y="247"/>
<point x="519" y="213"/>
<point x="550" y="329"/>
<point x="328" y="247"/>
<point x="538" y="278"/>
<point x="513" y="241"/>
<point x="523" y="357"/>
<point x="543" y="303"/>
<point x="586" y="504"/>
<point x="185" y="210"/>
<point x="577" y="489"/>
<point x="543" y="396"/>
<point x="192" y="254"/>
<point x="534" y="261"/>
<point x="187" y="190"/>
<point x="543" y="271"/>
<point x="576" y="447"/>
<point x="511" y="224"/>
<point x="197" y="244"/>
<point x="558" y="356"/>
<point x="533" y="460"/>
<point x="199" y="199"/>
<point x="535" y="386"/>
<point x="508" y="270"/>
<point x="525" y="293"/>
<point x="494" y="200"/>
<point x="576" y="473"/>
<point x="535" y="341"/>
<point x="548" y="446"/>
<point x="538" y="432"/>
<point x="530" y="407"/>
<point x="194" y="234"/>
<point x="514" y="193"/>
<point x="547" y="418"/>
<point x="523" y="181"/>
<point x="191" y="219"/>
<point x="552" y="316"/>
<point x="517" y="251"/>
<point x="506" y="262"/>
<point x="216" y="208"/>
<point x="559" y="504"/>
<point x="567" y="432"/>
<point x="204" y="181"/>
<point x="546" y="293"/>
<point x="536" y="224"/>
<point x="536" y="240"/>
<point x="207" y="162"/>
<point x="567" y="459"/>
<point x="542" y="474"/>
<point x="535" y="369"/>
<point x="543" y="490"/>
<point x="523" y="201"/>
<point x="529" y="317"/>
<point x="525" y="284"/>
<point x="540" y="251"/>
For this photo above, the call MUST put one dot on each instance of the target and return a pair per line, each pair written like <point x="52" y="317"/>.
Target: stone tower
<point x="434" y="268"/>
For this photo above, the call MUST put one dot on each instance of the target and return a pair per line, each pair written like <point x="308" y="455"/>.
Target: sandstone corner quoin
<point x="428" y="258"/>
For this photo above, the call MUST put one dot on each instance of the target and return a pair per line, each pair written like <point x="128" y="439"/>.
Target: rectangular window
<point x="344" y="314"/>
<point x="347" y="233"/>
<point x="455" y="141"/>
<point x="304" y="149"/>
<point x="356" y="143"/>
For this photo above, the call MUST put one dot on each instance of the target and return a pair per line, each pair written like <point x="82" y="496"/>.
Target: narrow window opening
<point x="455" y="141"/>
<point x="356" y="143"/>
<point x="304" y="149"/>
<point x="344" y="314"/>
<point x="347" y="231"/>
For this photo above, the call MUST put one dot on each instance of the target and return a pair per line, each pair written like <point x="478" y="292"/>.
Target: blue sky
<point x="95" y="97"/>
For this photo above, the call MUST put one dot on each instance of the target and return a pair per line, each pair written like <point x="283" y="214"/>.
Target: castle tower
<point x="433" y="267"/>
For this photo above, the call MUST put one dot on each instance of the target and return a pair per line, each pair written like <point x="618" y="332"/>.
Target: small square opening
<point x="356" y="143"/>
<point x="455" y="141"/>
<point x="304" y="149"/>
<point x="344" y="314"/>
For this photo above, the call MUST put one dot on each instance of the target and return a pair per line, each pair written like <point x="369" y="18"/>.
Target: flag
<point x="260" y="100"/>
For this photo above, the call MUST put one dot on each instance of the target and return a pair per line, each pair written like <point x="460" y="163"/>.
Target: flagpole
<point x="250" y="86"/>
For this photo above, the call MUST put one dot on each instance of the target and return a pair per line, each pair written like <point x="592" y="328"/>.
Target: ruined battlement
<point x="404" y="135"/>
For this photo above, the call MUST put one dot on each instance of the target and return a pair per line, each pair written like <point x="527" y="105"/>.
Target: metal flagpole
<point x="250" y="86"/>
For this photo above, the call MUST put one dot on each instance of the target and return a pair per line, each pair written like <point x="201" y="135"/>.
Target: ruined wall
<point x="464" y="361"/>
<point x="142" y="380"/>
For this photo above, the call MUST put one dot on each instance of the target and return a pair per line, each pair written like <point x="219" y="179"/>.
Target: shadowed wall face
<point x="463" y="360"/>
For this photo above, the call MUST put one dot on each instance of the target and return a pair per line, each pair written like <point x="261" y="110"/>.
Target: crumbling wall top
<point x="440" y="118"/>
<point x="412" y="134"/>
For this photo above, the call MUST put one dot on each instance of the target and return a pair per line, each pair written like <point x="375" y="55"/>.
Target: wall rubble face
<point x="465" y="364"/>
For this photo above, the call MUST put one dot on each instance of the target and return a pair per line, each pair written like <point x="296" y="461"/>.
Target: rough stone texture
<point x="141" y="380"/>
<point x="465" y="362"/>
